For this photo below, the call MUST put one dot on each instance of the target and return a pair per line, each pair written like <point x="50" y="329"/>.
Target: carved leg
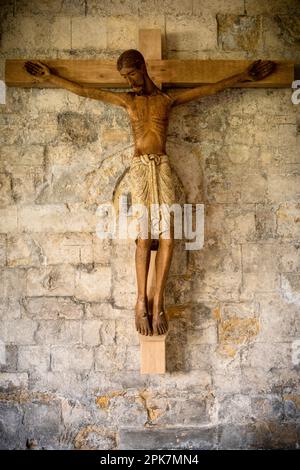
<point x="142" y="260"/>
<point x="163" y="262"/>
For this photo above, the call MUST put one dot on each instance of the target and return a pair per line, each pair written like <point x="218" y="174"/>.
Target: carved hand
<point x="38" y="70"/>
<point x="260" y="69"/>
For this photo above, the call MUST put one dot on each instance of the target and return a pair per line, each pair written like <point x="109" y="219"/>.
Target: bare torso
<point x="149" y="115"/>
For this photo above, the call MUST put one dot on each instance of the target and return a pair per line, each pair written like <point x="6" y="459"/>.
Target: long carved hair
<point x="130" y="58"/>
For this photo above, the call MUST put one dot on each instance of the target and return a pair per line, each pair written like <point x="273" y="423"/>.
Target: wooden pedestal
<point x="153" y="354"/>
<point x="153" y="348"/>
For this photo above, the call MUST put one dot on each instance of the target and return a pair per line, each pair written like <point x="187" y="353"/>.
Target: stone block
<point x="6" y="195"/>
<point x="261" y="257"/>
<point x="271" y="7"/>
<point x="55" y="218"/>
<point x="288" y="218"/>
<point x="42" y="423"/>
<point x="23" y="250"/>
<point x="235" y="409"/>
<point x="55" y="7"/>
<point x="51" y="281"/>
<point x="91" y="332"/>
<point x="259" y="281"/>
<point x="283" y="188"/>
<point x="12" y="156"/>
<point x="8" y="219"/>
<point x="101" y="310"/>
<point x="180" y="438"/>
<point x="101" y="250"/>
<point x="8" y="362"/>
<point x="281" y="33"/>
<point x="126" y="333"/>
<point x="26" y="183"/>
<point x="290" y="285"/>
<point x="73" y="357"/>
<point x="191" y="33"/>
<point x="19" y="331"/>
<point x="265" y="221"/>
<point x="52" y="308"/>
<point x="109" y="357"/>
<point x="267" y="355"/>
<point x="2" y="250"/>
<point x="97" y="37"/>
<point x="11" y="428"/>
<point x="268" y="407"/>
<point x="239" y="32"/>
<point x="12" y="282"/>
<point x="58" y="332"/>
<point x="34" y="358"/>
<point x="93" y="283"/>
<point x="34" y="32"/>
<point x="10" y="381"/>
<point x="10" y="306"/>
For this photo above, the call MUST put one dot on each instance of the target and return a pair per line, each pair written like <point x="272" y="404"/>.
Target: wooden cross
<point x="170" y="73"/>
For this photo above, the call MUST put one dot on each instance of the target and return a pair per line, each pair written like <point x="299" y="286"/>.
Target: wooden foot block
<point x="153" y="354"/>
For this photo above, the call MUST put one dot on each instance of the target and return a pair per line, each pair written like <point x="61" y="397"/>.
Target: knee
<point x="167" y="242"/>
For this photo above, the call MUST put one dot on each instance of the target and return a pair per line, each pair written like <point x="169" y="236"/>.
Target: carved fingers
<point x="38" y="70"/>
<point x="261" y="69"/>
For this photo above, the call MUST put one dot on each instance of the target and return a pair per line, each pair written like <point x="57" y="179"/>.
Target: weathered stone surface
<point x="267" y="356"/>
<point x="10" y="306"/>
<point x="93" y="283"/>
<point x="42" y="421"/>
<point x="58" y="332"/>
<point x="8" y="219"/>
<point x="97" y="32"/>
<point x="179" y="31"/>
<point x="12" y="282"/>
<point x="11" y="435"/>
<point x="78" y="128"/>
<point x="33" y="33"/>
<point x="10" y="381"/>
<point x="39" y="248"/>
<point x="239" y="32"/>
<point x="34" y="358"/>
<point x="54" y="218"/>
<point x="108" y="357"/>
<point x="288" y="218"/>
<point x="290" y="285"/>
<point x="9" y="358"/>
<point x="19" y="331"/>
<point x="271" y="7"/>
<point x="138" y="7"/>
<point x="56" y="7"/>
<point x="12" y="156"/>
<point x="189" y="438"/>
<point x="51" y="281"/>
<point x="73" y="358"/>
<point x="52" y="308"/>
<point x="281" y="32"/>
<point x="2" y="250"/>
<point x="94" y="438"/>
<point x="69" y="351"/>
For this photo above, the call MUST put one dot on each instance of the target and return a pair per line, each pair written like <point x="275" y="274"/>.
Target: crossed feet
<point x="150" y="324"/>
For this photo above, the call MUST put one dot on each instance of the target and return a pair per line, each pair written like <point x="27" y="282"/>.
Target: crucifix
<point x="149" y="108"/>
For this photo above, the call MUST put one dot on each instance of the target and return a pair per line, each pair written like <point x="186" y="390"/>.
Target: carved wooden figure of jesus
<point x="149" y="110"/>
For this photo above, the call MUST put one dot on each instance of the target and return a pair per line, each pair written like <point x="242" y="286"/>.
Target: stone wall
<point x="70" y="376"/>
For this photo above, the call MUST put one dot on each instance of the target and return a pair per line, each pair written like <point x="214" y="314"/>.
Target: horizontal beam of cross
<point x="170" y="73"/>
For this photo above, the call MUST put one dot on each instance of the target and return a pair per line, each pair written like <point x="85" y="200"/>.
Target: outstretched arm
<point x="41" y="72"/>
<point x="257" y="71"/>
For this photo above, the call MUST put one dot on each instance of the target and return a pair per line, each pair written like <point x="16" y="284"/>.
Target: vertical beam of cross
<point x="152" y="347"/>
